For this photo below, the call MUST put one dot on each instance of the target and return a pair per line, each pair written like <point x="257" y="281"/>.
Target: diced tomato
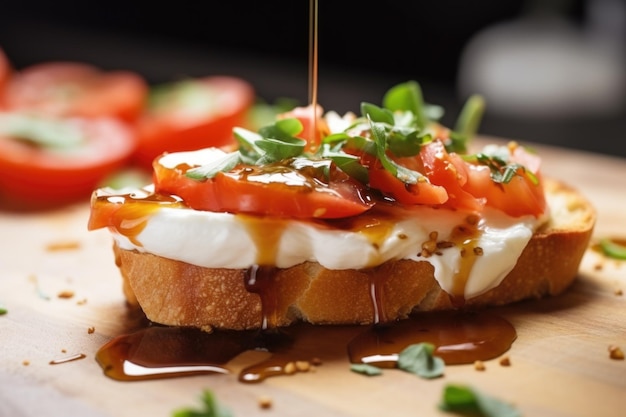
<point x="73" y="89"/>
<point x="523" y="195"/>
<point x="192" y="114"/>
<point x="314" y="126"/>
<point x="422" y="192"/>
<point x="271" y="192"/>
<point x="34" y="177"/>
<point x="450" y="172"/>
<point x="6" y="70"/>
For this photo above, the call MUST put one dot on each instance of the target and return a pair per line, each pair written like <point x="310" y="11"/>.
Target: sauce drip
<point x="459" y="337"/>
<point x="260" y="280"/>
<point x="156" y="352"/>
<point x="128" y="213"/>
<point x="465" y="237"/>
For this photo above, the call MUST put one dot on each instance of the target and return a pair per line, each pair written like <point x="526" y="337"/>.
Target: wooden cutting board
<point x="63" y="295"/>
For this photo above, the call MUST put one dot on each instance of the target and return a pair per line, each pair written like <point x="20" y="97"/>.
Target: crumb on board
<point x="615" y="352"/>
<point x="265" y="402"/>
<point x="81" y="302"/>
<point x="479" y="365"/>
<point x="25" y="362"/>
<point x="618" y="292"/>
<point x="63" y="245"/>
<point x="65" y="294"/>
<point x="505" y="361"/>
<point x="91" y="329"/>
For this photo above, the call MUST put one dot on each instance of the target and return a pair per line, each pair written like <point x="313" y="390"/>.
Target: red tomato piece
<point x="521" y="196"/>
<point x="451" y="172"/>
<point x="32" y="177"/>
<point x="314" y="126"/>
<point x="193" y="114"/>
<point x="422" y="192"/>
<point x="276" y="191"/>
<point x="5" y="70"/>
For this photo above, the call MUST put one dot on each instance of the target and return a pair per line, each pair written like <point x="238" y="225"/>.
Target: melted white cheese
<point x="223" y="240"/>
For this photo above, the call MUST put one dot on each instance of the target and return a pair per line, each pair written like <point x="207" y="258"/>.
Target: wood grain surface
<point x="63" y="295"/>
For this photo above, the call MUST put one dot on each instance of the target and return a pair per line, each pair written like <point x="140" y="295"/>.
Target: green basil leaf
<point x="210" y="408"/>
<point x="407" y="97"/>
<point x="366" y="369"/>
<point x="377" y="114"/>
<point x="404" y="174"/>
<point x="469" y="401"/>
<point x="282" y="129"/>
<point x="277" y="150"/>
<point x="223" y="164"/>
<point x="419" y="360"/>
<point x="349" y="164"/>
<point x="613" y="249"/>
<point x="467" y="123"/>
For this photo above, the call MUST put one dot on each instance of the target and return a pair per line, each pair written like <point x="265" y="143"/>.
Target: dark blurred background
<point x="552" y="71"/>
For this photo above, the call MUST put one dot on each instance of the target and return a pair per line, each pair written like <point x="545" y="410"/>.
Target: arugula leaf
<point x="349" y="164"/>
<point x="613" y="249"/>
<point x="223" y="164"/>
<point x="377" y="114"/>
<point x="404" y="174"/>
<point x="467" y="124"/>
<point x="366" y="369"/>
<point x="407" y="97"/>
<point x="419" y="360"/>
<point x="272" y="143"/>
<point x="469" y="401"/>
<point x="210" y="408"/>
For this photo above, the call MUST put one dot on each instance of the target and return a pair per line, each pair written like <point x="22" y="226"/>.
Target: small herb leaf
<point x="613" y="249"/>
<point x="210" y="408"/>
<point x="419" y="360"/>
<point x="468" y="401"/>
<point x="365" y="369"/>
<point x="223" y="164"/>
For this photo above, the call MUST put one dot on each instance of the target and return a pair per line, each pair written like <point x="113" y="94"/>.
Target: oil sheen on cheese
<point x="470" y="254"/>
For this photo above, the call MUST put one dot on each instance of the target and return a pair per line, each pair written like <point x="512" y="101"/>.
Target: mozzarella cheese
<point x="465" y="265"/>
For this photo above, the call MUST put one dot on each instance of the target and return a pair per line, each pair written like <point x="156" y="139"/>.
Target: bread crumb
<point x="615" y="352"/>
<point x="290" y="368"/>
<point x="25" y="362"/>
<point x="315" y="361"/>
<point x="63" y="350"/>
<point x="265" y="402"/>
<point x="598" y="267"/>
<point x="81" y="302"/>
<point x="505" y="361"/>
<point x="90" y="330"/>
<point x="479" y="366"/>
<point x="66" y="294"/>
<point x="303" y="366"/>
<point x="59" y="246"/>
<point x="618" y="292"/>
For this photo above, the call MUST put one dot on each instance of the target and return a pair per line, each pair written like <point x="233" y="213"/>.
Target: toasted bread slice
<point x="175" y="293"/>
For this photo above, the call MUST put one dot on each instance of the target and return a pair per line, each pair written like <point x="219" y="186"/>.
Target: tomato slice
<point x="192" y="114"/>
<point x="314" y="125"/>
<point x="34" y="177"/>
<point x="522" y="195"/>
<point x="450" y="172"/>
<point x="5" y="71"/>
<point x="273" y="190"/>
<point x="71" y="89"/>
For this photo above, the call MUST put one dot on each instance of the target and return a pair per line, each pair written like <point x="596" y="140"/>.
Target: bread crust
<point x="175" y="293"/>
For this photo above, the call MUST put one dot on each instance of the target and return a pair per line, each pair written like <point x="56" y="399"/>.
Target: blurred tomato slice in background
<point x="47" y="161"/>
<point x="192" y="114"/>
<point x="68" y="89"/>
